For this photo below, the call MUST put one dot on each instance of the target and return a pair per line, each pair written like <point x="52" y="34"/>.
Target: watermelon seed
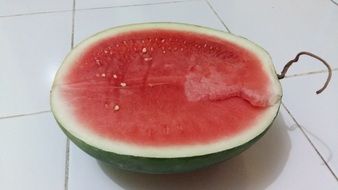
<point x="124" y="42"/>
<point x="163" y="52"/>
<point x="181" y="49"/>
<point x="123" y="84"/>
<point x="115" y="76"/>
<point x="116" y="107"/>
<point x="148" y="58"/>
<point x="97" y="62"/>
<point x="105" y="51"/>
<point x="144" y="50"/>
<point x="163" y="40"/>
<point x="117" y="45"/>
<point x="103" y="75"/>
<point x="205" y="45"/>
<point x="151" y="48"/>
<point x="142" y="41"/>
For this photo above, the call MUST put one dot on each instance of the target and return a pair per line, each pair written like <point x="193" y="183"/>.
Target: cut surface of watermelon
<point x="165" y="90"/>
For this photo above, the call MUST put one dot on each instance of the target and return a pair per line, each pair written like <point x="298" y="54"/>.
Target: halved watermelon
<point x="165" y="97"/>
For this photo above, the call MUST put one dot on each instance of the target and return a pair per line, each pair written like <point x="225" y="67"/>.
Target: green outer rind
<point x="160" y="165"/>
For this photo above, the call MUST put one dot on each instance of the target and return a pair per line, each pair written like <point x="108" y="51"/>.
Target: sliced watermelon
<point x="165" y="97"/>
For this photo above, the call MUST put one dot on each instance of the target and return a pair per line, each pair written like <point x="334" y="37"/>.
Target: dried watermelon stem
<point x="287" y="66"/>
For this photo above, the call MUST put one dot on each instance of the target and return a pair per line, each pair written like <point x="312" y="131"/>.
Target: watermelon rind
<point x="157" y="159"/>
<point x="159" y="165"/>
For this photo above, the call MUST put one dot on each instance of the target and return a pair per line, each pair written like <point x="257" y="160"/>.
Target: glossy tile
<point x="32" y="48"/>
<point x="282" y="159"/>
<point x="86" y="174"/>
<point x="32" y="153"/>
<point x="317" y="114"/>
<point x="87" y="4"/>
<point x="15" y="7"/>
<point x="89" y="22"/>
<point x="286" y="27"/>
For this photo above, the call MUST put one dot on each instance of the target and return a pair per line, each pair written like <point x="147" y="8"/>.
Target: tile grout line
<point x="35" y="13"/>
<point x="66" y="165"/>
<point x="217" y="15"/>
<point x="25" y="114"/>
<point x="309" y="140"/>
<point x="66" y="182"/>
<point x="94" y="8"/>
<point x="334" y="2"/>
<point x="73" y="26"/>
<point x="135" y="5"/>
<point x="310" y="73"/>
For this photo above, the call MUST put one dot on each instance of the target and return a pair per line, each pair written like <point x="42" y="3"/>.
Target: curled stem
<point x="287" y="66"/>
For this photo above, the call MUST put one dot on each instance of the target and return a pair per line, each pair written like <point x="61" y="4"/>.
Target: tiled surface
<point x="32" y="153"/>
<point x="87" y="4"/>
<point x="273" y="163"/>
<point x="317" y="114"/>
<point x="285" y="28"/>
<point x="85" y="173"/>
<point x="33" y="149"/>
<point x="88" y="22"/>
<point x="32" y="48"/>
<point x="15" y="7"/>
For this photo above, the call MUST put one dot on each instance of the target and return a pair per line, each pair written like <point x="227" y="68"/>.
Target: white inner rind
<point x="63" y="112"/>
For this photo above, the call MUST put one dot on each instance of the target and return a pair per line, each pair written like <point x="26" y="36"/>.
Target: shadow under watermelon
<point x="256" y="168"/>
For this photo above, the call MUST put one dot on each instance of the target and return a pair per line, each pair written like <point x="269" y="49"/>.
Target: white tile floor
<point x="32" y="48"/>
<point x="35" y="36"/>
<point x="19" y="7"/>
<point x="33" y="152"/>
<point x="88" y="4"/>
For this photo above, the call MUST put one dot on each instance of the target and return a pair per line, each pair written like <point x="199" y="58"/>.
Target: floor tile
<point x="284" y="30"/>
<point x="14" y="7"/>
<point x="282" y="159"/>
<point x="85" y="173"/>
<point x="32" y="48"/>
<point x="32" y="153"/>
<point x="87" y="4"/>
<point x="89" y="22"/>
<point x="317" y="114"/>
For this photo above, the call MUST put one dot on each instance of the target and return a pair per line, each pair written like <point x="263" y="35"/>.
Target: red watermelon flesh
<point x="163" y="87"/>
